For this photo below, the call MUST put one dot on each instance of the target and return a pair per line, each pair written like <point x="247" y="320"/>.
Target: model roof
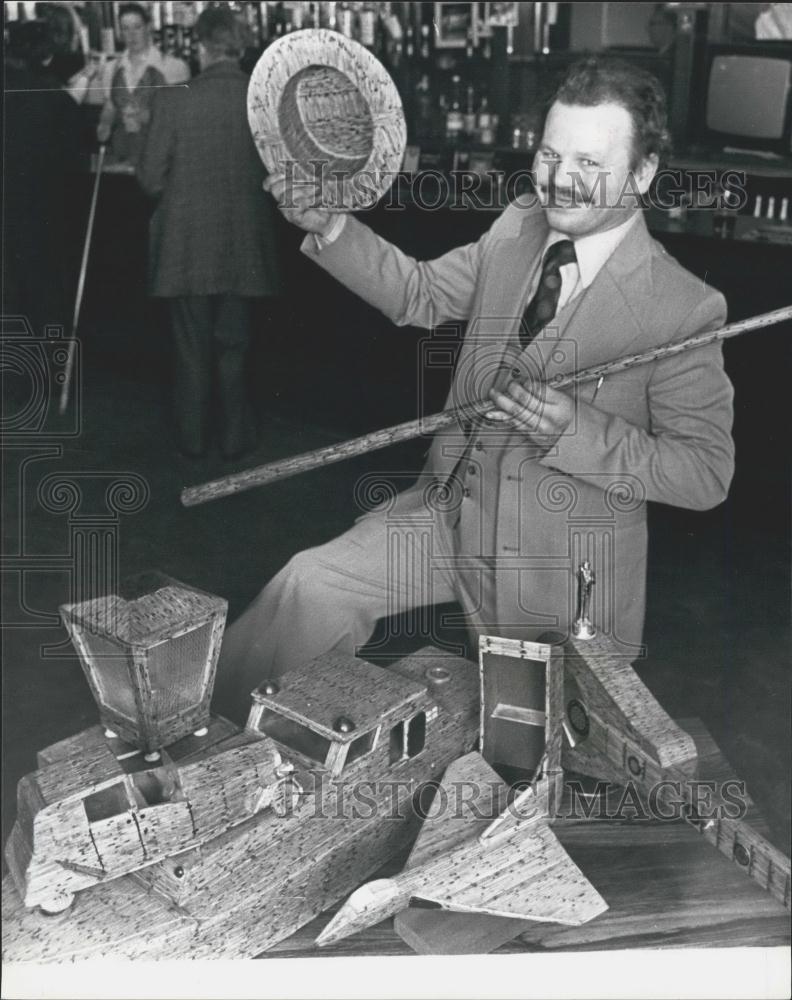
<point x="336" y="686"/>
<point x="149" y="618"/>
<point x="79" y="773"/>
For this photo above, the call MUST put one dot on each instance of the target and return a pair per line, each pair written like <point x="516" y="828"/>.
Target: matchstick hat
<point x="322" y="108"/>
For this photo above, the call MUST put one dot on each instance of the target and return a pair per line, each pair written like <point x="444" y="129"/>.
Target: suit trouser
<point x="211" y="333"/>
<point x="331" y="597"/>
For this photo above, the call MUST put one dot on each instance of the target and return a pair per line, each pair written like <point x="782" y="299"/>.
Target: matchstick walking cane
<point x="64" y="398"/>
<point x="274" y="471"/>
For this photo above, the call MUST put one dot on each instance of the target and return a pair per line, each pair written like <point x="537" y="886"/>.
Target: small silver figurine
<point x="582" y="627"/>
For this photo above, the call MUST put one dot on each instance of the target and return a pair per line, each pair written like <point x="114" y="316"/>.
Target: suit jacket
<point x="659" y="432"/>
<point x="214" y="229"/>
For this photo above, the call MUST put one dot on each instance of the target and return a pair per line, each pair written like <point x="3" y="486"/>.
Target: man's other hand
<point x="298" y="202"/>
<point x="542" y="415"/>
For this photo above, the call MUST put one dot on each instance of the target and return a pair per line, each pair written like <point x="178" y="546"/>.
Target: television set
<point x="748" y="98"/>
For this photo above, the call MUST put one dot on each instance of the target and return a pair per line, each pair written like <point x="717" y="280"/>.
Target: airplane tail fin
<point x="369" y="904"/>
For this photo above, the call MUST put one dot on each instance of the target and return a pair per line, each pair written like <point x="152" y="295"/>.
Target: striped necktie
<point x="542" y="307"/>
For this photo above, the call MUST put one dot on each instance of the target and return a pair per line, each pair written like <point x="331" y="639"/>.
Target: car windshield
<point x="294" y="735"/>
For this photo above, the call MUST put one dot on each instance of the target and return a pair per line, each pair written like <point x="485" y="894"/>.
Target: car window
<point x="110" y="801"/>
<point x="294" y="735"/>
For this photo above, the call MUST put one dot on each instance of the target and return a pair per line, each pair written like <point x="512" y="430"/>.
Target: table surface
<point x="665" y="885"/>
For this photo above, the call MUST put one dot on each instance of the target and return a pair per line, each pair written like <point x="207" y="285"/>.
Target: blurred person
<point x="212" y="237"/>
<point x="662" y="29"/>
<point x="68" y="60"/>
<point x="141" y="71"/>
<point x="41" y="147"/>
<point x="774" y="23"/>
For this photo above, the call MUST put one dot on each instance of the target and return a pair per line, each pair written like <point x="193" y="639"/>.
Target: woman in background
<point x="141" y="71"/>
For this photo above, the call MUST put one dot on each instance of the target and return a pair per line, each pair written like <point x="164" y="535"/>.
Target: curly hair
<point x="606" y="80"/>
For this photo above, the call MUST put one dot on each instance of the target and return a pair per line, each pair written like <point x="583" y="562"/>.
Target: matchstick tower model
<point x="149" y="656"/>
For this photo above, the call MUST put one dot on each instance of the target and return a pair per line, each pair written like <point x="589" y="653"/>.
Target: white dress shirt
<point x="591" y="251"/>
<point x="332" y="233"/>
<point x="174" y="70"/>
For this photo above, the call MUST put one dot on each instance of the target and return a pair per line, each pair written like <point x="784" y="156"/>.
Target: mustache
<point x="564" y="195"/>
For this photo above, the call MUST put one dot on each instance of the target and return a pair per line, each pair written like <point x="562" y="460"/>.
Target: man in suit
<point x="509" y="507"/>
<point x="212" y="239"/>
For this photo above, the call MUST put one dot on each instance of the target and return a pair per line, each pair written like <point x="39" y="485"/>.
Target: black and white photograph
<point x="397" y="500"/>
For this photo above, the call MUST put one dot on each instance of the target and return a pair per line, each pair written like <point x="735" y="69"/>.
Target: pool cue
<point x="64" y="397"/>
<point x="274" y="471"/>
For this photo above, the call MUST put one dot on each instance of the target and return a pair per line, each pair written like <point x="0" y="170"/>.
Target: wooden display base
<point x="665" y="885"/>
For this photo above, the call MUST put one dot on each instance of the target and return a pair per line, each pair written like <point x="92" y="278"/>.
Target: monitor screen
<point x="748" y="95"/>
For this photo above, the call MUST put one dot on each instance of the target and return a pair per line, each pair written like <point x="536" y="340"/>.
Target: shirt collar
<point x="152" y="57"/>
<point x="592" y="251"/>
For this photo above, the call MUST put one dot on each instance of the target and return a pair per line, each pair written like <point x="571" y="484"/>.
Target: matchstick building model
<point x="149" y="657"/>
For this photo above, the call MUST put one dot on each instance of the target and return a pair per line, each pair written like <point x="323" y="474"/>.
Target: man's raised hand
<point x="298" y="203"/>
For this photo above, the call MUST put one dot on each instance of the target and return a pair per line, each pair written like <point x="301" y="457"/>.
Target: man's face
<point x="583" y="173"/>
<point x="134" y="32"/>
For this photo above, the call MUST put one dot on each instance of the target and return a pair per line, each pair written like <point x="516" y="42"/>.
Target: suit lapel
<point x="493" y="334"/>
<point x="608" y="318"/>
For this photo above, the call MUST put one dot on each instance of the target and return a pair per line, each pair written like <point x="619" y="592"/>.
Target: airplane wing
<point x="527" y="874"/>
<point x="476" y="856"/>
<point x="467" y="800"/>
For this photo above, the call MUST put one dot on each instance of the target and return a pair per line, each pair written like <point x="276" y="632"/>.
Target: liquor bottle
<point x="263" y="22"/>
<point x="455" y="120"/>
<point x="470" y="44"/>
<point x="469" y="127"/>
<point x="188" y="45"/>
<point x="278" y="20"/>
<point x="346" y="24"/>
<point x="251" y="14"/>
<point x="169" y="29"/>
<point x="424" y="111"/>
<point x="178" y="29"/>
<point x="367" y="26"/>
<point x="426" y="45"/>
<point x="156" y="25"/>
<point x="330" y="15"/>
<point x="409" y="40"/>
<point x="297" y="17"/>
<point x="485" y="123"/>
<point x="392" y="46"/>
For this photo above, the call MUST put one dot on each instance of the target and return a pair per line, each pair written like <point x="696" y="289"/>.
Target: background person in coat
<point x="505" y="513"/>
<point x="212" y="236"/>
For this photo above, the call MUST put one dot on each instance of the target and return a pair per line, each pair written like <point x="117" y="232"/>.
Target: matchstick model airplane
<point x="468" y="862"/>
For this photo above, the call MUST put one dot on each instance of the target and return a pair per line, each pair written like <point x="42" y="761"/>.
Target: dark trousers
<point x="211" y="335"/>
